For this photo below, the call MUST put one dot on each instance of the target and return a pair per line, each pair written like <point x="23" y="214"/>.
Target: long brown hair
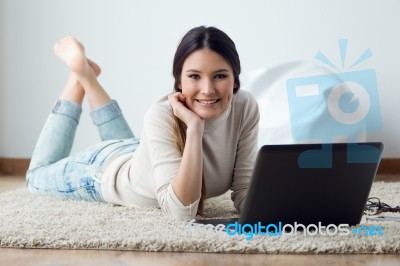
<point x="196" y="39"/>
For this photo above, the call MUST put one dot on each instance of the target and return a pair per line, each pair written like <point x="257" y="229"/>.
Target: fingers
<point x="177" y="99"/>
<point x="173" y="98"/>
<point x="181" y="97"/>
<point x="183" y="112"/>
<point x="178" y="104"/>
<point x="174" y="101"/>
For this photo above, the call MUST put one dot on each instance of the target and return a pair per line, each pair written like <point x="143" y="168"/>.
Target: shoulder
<point x="159" y="117"/>
<point x="244" y="102"/>
<point x="160" y="110"/>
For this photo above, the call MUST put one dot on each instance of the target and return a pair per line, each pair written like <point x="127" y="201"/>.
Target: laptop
<point x="308" y="184"/>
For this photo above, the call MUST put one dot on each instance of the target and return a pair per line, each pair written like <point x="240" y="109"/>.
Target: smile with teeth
<point x="208" y="101"/>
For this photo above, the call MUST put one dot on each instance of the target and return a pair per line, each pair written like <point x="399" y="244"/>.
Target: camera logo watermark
<point x="346" y="105"/>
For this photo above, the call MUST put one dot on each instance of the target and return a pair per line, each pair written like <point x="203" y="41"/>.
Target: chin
<point x="207" y="116"/>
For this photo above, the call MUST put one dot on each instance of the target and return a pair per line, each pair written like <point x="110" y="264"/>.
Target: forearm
<point x="187" y="183"/>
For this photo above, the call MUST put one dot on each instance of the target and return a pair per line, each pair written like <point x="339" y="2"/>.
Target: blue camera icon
<point x="346" y="104"/>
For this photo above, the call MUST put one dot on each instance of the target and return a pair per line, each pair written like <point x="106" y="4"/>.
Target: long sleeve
<point x="246" y="151"/>
<point x="165" y="160"/>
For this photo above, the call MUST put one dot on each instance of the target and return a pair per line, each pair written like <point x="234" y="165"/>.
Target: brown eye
<point x="194" y="76"/>
<point x="220" y="76"/>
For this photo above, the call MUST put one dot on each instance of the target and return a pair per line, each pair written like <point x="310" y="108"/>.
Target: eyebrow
<point x="217" y="71"/>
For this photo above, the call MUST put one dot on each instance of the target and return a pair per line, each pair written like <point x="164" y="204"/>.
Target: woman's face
<point x="207" y="82"/>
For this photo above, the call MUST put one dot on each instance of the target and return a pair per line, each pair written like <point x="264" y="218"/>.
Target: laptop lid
<point x="311" y="183"/>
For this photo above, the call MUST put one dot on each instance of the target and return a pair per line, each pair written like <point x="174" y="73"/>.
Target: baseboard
<point x="389" y="166"/>
<point x="12" y="166"/>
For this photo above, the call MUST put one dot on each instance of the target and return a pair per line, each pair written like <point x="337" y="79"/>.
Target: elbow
<point x="174" y="208"/>
<point x="181" y="212"/>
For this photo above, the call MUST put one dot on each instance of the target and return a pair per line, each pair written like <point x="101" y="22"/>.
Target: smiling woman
<point x="207" y="83"/>
<point x="179" y="160"/>
<point x="206" y="70"/>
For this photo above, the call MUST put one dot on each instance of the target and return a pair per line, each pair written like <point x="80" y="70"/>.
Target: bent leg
<point x="52" y="171"/>
<point x="106" y="113"/>
<point x="110" y="122"/>
<point x="57" y="136"/>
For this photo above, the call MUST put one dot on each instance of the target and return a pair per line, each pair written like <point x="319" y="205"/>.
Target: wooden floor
<point x="12" y="257"/>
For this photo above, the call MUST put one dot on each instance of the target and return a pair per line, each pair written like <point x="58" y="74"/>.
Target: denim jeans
<point x="54" y="172"/>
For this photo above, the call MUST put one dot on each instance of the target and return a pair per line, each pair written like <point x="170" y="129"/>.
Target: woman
<point x="196" y="143"/>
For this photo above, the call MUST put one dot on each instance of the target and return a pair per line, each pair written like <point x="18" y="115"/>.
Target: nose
<point x="208" y="87"/>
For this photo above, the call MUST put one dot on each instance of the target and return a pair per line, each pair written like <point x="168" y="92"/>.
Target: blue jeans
<point x="53" y="172"/>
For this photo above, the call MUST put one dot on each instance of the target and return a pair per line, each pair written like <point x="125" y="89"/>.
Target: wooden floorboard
<point x="34" y="257"/>
<point x="14" y="257"/>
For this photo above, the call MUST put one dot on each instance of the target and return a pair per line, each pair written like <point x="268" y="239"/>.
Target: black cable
<point x="374" y="204"/>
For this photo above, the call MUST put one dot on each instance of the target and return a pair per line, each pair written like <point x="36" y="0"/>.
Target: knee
<point x="30" y="181"/>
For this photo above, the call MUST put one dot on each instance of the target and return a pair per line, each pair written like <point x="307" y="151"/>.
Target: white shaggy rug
<point x="28" y="221"/>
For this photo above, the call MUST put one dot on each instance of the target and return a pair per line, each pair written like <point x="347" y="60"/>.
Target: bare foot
<point x="83" y="79"/>
<point x="72" y="53"/>
<point x="94" y="66"/>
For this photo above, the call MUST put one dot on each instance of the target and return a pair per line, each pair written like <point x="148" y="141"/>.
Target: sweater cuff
<point x="178" y="209"/>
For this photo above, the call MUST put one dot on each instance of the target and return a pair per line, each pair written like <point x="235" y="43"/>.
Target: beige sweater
<point x="144" y="178"/>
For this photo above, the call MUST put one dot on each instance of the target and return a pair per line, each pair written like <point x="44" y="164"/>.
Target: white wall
<point x="134" y="42"/>
<point x="2" y="83"/>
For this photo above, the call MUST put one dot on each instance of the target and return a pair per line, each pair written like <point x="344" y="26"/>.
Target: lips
<point x="208" y="101"/>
